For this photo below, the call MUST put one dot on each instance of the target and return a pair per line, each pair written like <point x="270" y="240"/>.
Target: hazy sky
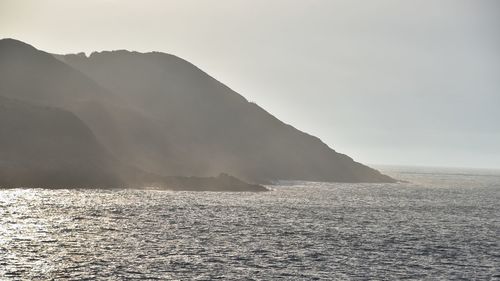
<point x="386" y="82"/>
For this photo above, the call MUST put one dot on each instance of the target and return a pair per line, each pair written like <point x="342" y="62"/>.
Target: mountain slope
<point x="212" y="128"/>
<point x="51" y="148"/>
<point x="167" y="117"/>
<point x="35" y="76"/>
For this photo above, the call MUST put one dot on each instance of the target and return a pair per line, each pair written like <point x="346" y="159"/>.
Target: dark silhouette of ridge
<point x="167" y="117"/>
<point x="49" y="147"/>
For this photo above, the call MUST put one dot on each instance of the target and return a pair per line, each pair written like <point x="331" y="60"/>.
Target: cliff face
<point x="165" y="116"/>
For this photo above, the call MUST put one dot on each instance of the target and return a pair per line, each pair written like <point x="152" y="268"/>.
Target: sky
<point x="391" y="82"/>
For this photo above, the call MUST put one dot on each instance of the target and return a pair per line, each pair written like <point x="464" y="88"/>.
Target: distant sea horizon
<point x="388" y="168"/>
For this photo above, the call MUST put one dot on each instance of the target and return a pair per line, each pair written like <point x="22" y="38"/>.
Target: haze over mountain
<point x="165" y="116"/>
<point x="49" y="147"/>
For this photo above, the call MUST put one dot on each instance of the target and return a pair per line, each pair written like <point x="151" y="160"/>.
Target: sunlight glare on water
<point x="437" y="226"/>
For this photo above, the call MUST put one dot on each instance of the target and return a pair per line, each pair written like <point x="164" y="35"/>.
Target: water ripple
<point x="442" y="229"/>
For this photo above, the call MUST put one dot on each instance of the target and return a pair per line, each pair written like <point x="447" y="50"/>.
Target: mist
<point x="386" y="82"/>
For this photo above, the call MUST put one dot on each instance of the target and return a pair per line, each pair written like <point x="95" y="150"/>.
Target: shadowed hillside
<point x="51" y="148"/>
<point x="35" y="76"/>
<point x="165" y="116"/>
<point x="48" y="147"/>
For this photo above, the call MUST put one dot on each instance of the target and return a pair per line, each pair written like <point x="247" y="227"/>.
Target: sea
<point x="439" y="224"/>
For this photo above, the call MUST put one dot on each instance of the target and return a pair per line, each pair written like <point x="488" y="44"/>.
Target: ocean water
<point x="441" y="224"/>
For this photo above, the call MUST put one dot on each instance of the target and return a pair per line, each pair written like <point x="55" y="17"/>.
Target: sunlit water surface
<point x="441" y="225"/>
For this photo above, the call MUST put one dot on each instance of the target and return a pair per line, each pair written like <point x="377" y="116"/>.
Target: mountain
<point x="212" y="128"/>
<point x="167" y="117"/>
